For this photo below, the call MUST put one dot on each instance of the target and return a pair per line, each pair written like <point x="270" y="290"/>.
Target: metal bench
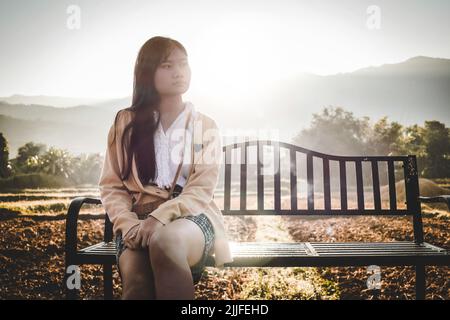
<point x="300" y="254"/>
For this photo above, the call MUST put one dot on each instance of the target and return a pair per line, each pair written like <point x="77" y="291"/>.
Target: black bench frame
<point x="306" y="254"/>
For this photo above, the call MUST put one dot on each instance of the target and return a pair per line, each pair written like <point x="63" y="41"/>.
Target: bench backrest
<point x="317" y="203"/>
<point x="316" y="176"/>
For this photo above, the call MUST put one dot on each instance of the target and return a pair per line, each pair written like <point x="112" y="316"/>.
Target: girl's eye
<point x="167" y="66"/>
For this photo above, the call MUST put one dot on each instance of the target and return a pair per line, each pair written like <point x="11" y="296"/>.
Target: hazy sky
<point x="232" y="45"/>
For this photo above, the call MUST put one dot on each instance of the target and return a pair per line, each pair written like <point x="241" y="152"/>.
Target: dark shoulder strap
<point x="182" y="157"/>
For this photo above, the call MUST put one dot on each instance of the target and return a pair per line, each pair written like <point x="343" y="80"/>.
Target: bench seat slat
<point x="302" y="253"/>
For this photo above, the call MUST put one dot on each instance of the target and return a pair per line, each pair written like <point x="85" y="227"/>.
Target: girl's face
<point x="173" y="76"/>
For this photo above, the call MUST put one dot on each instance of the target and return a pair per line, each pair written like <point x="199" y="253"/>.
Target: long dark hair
<point x="144" y="105"/>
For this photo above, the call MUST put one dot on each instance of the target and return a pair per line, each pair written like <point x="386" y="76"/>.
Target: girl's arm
<point x="115" y="197"/>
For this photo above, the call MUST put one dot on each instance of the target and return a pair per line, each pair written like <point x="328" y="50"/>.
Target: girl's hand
<point x="129" y="239"/>
<point x="146" y="230"/>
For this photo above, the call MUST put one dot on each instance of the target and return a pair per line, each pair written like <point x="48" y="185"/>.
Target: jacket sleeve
<point x="115" y="197"/>
<point x="199" y="189"/>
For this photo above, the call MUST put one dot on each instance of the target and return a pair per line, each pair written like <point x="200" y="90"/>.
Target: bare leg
<point x="137" y="275"/>
<point x="173" y="250"/>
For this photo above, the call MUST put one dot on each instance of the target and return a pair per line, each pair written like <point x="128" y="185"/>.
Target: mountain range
<point x="409" y="92"/>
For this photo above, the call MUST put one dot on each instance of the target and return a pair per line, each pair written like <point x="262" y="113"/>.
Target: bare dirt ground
<point x="32" y="254"/>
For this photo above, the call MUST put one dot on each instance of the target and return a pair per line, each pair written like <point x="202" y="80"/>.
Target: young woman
<point x="161" y="252"/>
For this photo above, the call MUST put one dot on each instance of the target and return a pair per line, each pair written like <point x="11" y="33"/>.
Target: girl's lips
<point x="179" y="83"/>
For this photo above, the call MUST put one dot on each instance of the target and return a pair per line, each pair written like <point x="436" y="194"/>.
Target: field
<point x="32" y="253"/>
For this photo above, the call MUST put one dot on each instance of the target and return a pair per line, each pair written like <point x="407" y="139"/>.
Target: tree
<point x="414" y="143"/>
<point x="87" y="168"/>
<point x="28" y="157"/>
<point x="386" y="138"/>
<point x="437" y="144"/>
<point x="30" y="149"/>
<point x="56" y="162"/>
<point x="335" y="131"/>
<point x="5" y="168"/>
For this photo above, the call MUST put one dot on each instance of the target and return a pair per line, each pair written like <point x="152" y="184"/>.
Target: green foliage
<point x="385" y="138"/>
<point x="35" y="164"/>
<point x="56" y="162"/>
<point x="437" y="150"/>
<point x="86" y="168"/>
<point x="53" y="207"/>
<point x="28" y="156"/>
<point x="5" y="169"/>
<point x="34" y="180"/>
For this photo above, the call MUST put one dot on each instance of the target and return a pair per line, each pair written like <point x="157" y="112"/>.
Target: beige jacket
<point x="118" y="197"/>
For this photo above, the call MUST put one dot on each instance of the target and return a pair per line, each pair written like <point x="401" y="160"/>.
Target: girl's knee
<point x="166" y="246"/>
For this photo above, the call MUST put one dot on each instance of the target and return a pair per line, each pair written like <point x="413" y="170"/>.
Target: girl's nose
<point x="177" y="73"/>
<point x="177" y="70"/>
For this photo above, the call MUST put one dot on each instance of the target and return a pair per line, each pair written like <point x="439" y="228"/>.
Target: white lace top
<point x="168" y="148"/>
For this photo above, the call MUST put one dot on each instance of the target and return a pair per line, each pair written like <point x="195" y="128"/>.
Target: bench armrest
<point x="444" y="198"/>
<point x="72" y="222"/>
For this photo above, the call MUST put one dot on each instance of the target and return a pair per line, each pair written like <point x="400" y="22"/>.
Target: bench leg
<point x="107" y="282"/>
<point x="71" y="294"/>
<point x="420" y="282"/>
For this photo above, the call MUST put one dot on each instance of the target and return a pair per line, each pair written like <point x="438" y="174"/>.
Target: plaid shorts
<point x="208" y="231"/>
